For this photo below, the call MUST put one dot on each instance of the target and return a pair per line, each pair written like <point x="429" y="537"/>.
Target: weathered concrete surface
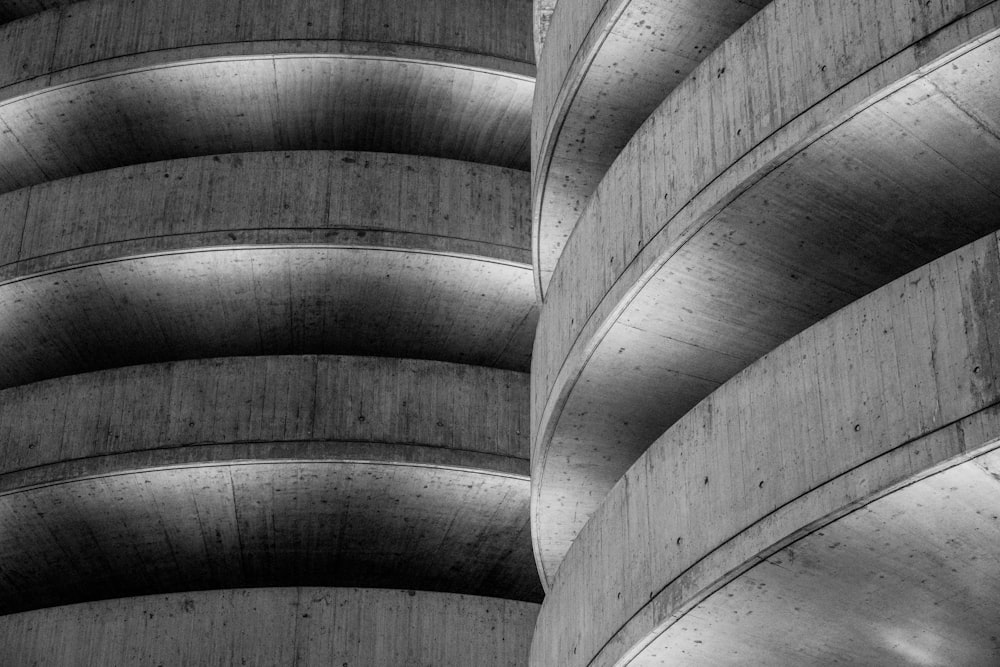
<point x="723" y="230"/>
<point x="276" y="626"/>
<point x="179" y="108"/>
<point x="256" y="523"/>
<point x="347" y="198"/>
<point x="898" y="382"/>
<point x="607" y="67"/>
<point x="543" y="16"/>
<point x="11" y="10"/>
<point x="99" y="30"/>
<point x="340" y="471"/>
<point x="265" y="300"/>
<point x="307" y="402"/>
<point x="266" y="253"/>
<point x="910" y="579"/>
<point x="158" y="208"/>
<point x="434" y="77"/>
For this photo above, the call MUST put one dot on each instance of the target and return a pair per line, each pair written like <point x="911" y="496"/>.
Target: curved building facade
<point x="499" y="332"/>
<point x="763" y="388"/>
<point x="266" y="322"/>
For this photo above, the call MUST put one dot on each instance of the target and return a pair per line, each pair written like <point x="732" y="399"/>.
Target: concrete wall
<point x="887" y="388"/>
<point x="306" y="251"/>
<point x="265" y="471"/>
<point x="782" y="180"/>
<point x="91" y="31"/>
<point x="643" y="207"/>
<point x="302" y="197"/>
<point x="278" y="626"/>
<point x="199" y="198"/>
<point x="606" y="67"/>
<point x="442" y="79"/>
<point x="297" y="400"/>
<point x="909" y="578"/>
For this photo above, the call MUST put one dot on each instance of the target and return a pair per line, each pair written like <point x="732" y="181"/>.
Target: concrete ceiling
<point x="241" y="103"/>
<point x="266" y="524"/>
<point x="310" y="300"/>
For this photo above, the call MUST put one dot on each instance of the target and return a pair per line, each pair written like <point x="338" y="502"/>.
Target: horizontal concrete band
<point x="96" y="30"/>
<point x="212" y="100"/>
<point x="909" y="578"/>
<point x="414" y="203"/>
<point x="252" y="300"/>
<point x="606" y="67"/>
<point x="882" y="162"/>
<point x="290" y="403"/>
<point x="899" y="382"/>
<point x="301" y="626"/>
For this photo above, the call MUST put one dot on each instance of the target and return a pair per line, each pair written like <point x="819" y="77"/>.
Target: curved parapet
<point x="266" y="471"/>
<point x="605" y="68"/>
<point x="184" y="184"/>
<point x="781" y="181"/>
<point x="901" y="381"/>
<point x="277" y="626"/>
<point x="331" y="401"/>
<point x="266" y="253"/>
<point x="908" y="579"/>
<point x="435" y="78"/>
<point x="333" y="198"/>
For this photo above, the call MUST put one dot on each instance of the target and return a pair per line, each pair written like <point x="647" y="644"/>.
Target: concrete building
<point x="351" y="332"/>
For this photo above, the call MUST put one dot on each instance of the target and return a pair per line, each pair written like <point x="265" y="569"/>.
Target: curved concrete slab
<point x="875" y="168"/>
<point x="226" y="472"/>
<point x="265" y="300"/>
<point x="901" y="381"/>
<point x="55" y="41"/>
<point x="910" y="579"/>
<point x="302" y="626"/>
<point x="357" y="199"/>
<point x="236" y="104"/>
<point x="182" y="81"/>
<point x="145" y="256"/>
<point x="258" y="523"/>
<point x="607" y="67"/>
<point x="340" y="471"/>
<point x="347" y="408"/>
